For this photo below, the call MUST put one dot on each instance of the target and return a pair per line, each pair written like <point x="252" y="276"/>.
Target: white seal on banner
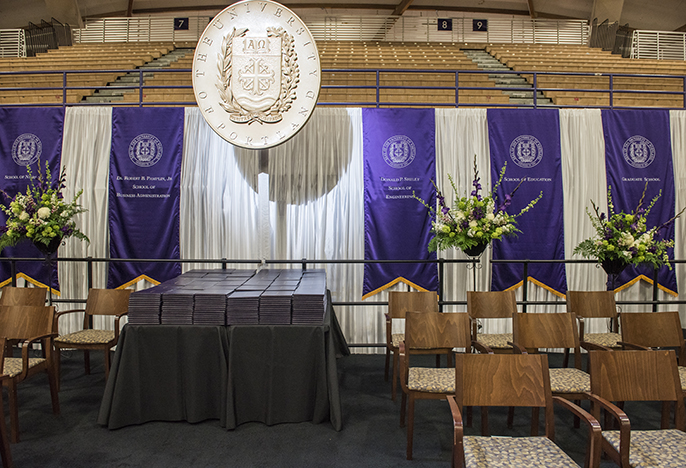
<point x="638" y="151"/>
<point x="256" y="74"/>
<point x="27" y="149"/>
<point x="145" y="150"/>
<point x="526" y="151"/>
<point x="399" y="151"/>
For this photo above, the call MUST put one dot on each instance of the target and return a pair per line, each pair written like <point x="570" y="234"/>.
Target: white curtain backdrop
<point x="316" y="207"/>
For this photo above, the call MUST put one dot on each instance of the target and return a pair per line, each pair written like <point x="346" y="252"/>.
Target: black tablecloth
<point x="241" y="373"/>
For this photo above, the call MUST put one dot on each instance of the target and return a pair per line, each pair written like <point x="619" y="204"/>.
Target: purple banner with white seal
<point x="399" y="159"/>
<point x="638" y="149"/>
<point x="529" y="142"/>
<point x="28" y="137"/>
<point x="144" y="194"/>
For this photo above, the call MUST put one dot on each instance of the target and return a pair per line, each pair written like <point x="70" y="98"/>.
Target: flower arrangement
<point x="41" y="215"/>
<point x="624" y="237"/>
<point x="475" y="220"/>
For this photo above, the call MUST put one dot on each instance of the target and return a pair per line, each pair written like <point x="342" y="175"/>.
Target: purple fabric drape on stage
<point x="399" y="158"/>
<point x="144" y="190"/>
<point x="28" y="137"/>
<point x="529" y="141"/>
<point x="638" y="148"/>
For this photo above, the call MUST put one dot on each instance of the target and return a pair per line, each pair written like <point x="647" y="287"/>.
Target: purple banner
<point x="638" y="149"/>
<point x="145" y="180"/>
<point x="529" y="142"/>
<point x="28" y="137"/>
<point x="399" y="159"/>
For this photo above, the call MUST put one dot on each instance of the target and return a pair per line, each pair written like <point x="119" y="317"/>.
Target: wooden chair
<point x="646" y="330"/>
<point x="400" y="302"/>
<point x="30" y="324"/>
<point x="5" y="452"/>
<point x="428" y="331"/>
<point x="508" y="380"/>
<point x="639" y="376"/>
<point x="23" y="296"/>
<point x="100" y="302"/>
<point x="491" y="305"/>
<point x="533" y="331"/>
<point x="594" y="305"/>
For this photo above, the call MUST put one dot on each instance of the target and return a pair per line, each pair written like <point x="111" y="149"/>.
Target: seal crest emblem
<point x="256" y="74"/>
<point x="399" y="151"/>
<point x="526" y="151"/>
<point x="26" y="149"/>
<point x="145" y="150"/>
<point x="638" y="151"/>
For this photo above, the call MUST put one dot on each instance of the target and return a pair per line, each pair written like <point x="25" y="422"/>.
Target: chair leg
<point x="58" y="366"/>
<point x="403" y="404"/>
<point x="54" y="391"/>
<point x="410" y="426"/>
<point x="87" y="361"/>
<point x="396" y="373"/>
<point x="107" y="364"/>
<point x="14" y="411"/>
<point x="510" y="417"/>
<point x="5" y="452"/>
<point x="388" y="362"/>
<point x="535" y="411"/>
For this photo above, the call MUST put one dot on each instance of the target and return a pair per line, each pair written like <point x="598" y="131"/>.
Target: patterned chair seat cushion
<point x="431" y="380"/>
<point x="660" y="448"/>
<point x="86" y="337"/>
<point x="609" y="340"/>
<point x="12" y="366"/>
<point x="495" y="340"/>
<point x="500" y="452"/>
<point x="396" y="339"/>
<point x="682" y="377"/>
<point x="569" y="380"/>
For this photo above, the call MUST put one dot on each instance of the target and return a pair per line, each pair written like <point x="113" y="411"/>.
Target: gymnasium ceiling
<point x="662" y="15"/>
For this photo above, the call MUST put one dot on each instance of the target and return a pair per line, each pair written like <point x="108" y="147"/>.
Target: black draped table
<point x="237" y="374"/>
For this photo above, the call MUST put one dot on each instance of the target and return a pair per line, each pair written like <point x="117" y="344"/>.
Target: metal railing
<point x="304" y="263"/>
<point x="354" y="28"/>
<point x="658" y="45"/>
<point x="140" y="88"/>
<point x="12" y="43"/>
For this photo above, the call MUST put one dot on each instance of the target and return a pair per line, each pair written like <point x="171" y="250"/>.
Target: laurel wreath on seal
<point x="290" y="77"/>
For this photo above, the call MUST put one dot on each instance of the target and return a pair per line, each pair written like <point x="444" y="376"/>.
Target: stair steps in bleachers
<point x="113" y="91"/>
<point x="486" y="61"/>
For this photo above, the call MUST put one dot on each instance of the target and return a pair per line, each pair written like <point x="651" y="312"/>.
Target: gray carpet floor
<point x="371" y="435"/>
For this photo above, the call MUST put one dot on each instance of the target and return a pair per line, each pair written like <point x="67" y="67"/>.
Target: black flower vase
<point x="476" y="250"/>
<point x="49" y="251"/>
<point x="613" y="267"/>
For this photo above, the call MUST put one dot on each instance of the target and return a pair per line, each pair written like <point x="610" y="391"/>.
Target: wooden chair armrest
<point x="404" y="369"/>
<point x="482" y="348"/>
<point x="70" y="311"/>
<point x="624" y="425"/>
<point x="517" y="349"/>
<point x="582" y="327"/>
<point x="458" y="432"/>
<point x="593" y="346"/>
<point x="117" y="318"/>
<point x="626" y="344"/>
<point x="594" y="430"/>
<point x="26" y="346"/>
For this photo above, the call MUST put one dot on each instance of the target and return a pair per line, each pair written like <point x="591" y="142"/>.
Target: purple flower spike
<point x="634" y="227"/>
<point x="445" y="210"/>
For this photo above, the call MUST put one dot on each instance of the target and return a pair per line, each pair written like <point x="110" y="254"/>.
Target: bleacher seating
<point x="410" y="74"/>
<point x="567" y="89"/>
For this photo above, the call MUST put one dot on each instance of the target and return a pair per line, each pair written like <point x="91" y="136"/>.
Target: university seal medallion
<point x="256" y="74"/>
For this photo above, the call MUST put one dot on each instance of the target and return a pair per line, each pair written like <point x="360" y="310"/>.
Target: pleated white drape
<point x="316" y="203"/>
